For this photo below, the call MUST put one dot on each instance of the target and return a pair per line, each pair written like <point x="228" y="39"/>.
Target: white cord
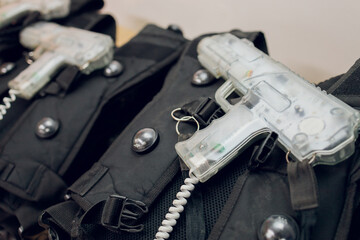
<point x="178" y="206"/>
<point x="7" y="102"/>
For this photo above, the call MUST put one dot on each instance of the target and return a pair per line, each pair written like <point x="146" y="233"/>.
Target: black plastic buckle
<point x="262" y="152"/>
<point x="121" y="214"/>
<point x="204" y="110"/>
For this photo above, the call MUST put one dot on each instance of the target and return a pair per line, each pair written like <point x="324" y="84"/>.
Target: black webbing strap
<point x="347" y="226"/>
<point x="85" y="5"/>
<point x="5" y="169"/>
<point x="90" y="21"/>
<point x="304" y="194"/>
<point x="63" y="81"/>
<point x="343" y="228"/>
<point x="228" y="208"/>
<point x="117" y="214"/>
<point x="60" y="216"/>
<point x="345" y="87"/>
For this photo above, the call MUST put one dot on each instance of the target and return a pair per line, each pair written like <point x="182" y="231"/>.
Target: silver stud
<point x="47" y="127"/>
<point x="202" y="77"/>
<point x="29" y="57"/>
<point x="67" y="197"/>
<point x="278" y="227"/>
<point x="20" y="230"/>
<point x="175" y="28"/>
<point x="114" y="69"/>
<point x="145" y="140"/>
<point x="6" y="68"/>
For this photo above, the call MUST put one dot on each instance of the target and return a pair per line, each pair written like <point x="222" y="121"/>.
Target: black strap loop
<point x="262" y="152"/>
<point x="63" y="81"/>
<point x="117" y="214"/>
<point x="204" y="110"/>
<point x="304" y="194"/>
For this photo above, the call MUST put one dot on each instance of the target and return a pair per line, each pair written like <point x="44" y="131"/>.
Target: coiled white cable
<point x="178" y="206"/>
<point x="7" y="102"/>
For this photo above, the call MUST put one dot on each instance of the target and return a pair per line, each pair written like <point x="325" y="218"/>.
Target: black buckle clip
<point x="262" y="152"/>
<point x="204" y="110"/>
<point x="121" y="214"/>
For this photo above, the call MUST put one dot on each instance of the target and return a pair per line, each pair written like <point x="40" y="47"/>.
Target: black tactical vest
<point x="126" y="194"/>
<point x="151" y="179"/>
<point x="91" y="110"/>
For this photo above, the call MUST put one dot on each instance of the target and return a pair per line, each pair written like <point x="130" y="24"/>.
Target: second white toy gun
<point x="311" y="125"/>
<point x="12" y="10"/>
<point x="56" y="46"/>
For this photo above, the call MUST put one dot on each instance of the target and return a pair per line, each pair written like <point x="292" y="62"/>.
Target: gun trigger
<point x="263" y="151"/>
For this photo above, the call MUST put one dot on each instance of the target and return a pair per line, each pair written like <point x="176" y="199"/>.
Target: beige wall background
<point x="317" y="39"/>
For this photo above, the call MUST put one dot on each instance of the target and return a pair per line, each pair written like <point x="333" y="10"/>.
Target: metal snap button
<point x="145" y="140"/>
<point x="115" y="68"/>
<point x="47" y="127"/>
<point x="278" y="227"/>
<point x="202" y="77"/>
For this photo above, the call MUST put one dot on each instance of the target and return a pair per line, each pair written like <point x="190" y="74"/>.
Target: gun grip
<point x="39" y="73"/>
<point x="213" y="147"/>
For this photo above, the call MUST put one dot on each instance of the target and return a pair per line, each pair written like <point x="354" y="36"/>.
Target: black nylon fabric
<point x="40" y="169"/>
<point x="77" y="6"/>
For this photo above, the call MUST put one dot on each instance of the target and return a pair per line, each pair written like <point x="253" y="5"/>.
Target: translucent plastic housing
<point x="310" y="123"/>
<point x="11" y="10"/>
<point x="56" y="46"/>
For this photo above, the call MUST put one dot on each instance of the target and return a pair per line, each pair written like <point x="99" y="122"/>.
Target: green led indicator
<point x="219" y="147"/>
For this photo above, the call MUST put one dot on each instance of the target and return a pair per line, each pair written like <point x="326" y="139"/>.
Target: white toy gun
<point x="12" y="10"/>
<point x="311" y="125"/>
<point x="56" y="46"/>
